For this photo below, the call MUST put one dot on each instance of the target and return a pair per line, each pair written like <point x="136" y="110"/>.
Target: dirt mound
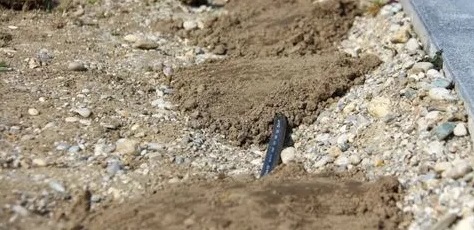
<point x="294" y="200"/>
<point x="277" y="28"/>
<point x="239" y="98"/>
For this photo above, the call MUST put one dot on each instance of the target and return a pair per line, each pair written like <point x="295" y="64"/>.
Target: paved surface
<point x="448" y="25"/>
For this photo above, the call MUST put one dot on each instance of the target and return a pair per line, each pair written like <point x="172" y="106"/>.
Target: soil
<point x="281" y="58"/>
<point x="287" y="199"/>
<point x="268" y="28"/>
<point x="239" y="97"/>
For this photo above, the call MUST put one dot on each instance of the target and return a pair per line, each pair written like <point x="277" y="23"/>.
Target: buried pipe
<point x="275" y="145"/>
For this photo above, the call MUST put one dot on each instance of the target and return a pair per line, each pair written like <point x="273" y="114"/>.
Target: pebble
<point x="432" y="73"/>
<point x="421" y="67"/>
<point x="323" y="161"/>
<point x="458" y="169"/>
<point x="412" y="46"/>
<point x="76" y="66"/>
<point x="444" y="130"/>
<point x="379" y="107"/>
<point x="401" y="36"/>
<point x="84" y="112"/>
<point x="342" y="161"/>
<point x="71" y="119"/>
<point x="20" y="210"/>
<point x="342" y="142"/>
<point x="131" y="38"/>
<point x="190" y="25"/>
<point x="441" y="83"/>
<point x="441" y="94"/>
<point x="168" y="71"/>
<point x="155" y="146"/>
<point x="460" y="130"/>
<point x="33" y="112"/>
<point x="145" y="44"/>
<point x="113" y="167"/>
<point x="288" y="155"/>
<point x="62" y="146"/>
<point x="74" y="149"/>
<point x="56" y="186"/>
<point x="355" y="159"/>
<point x="126" y="146"/>
<point x="38" y="162"/>
<point x="445" y="222"/>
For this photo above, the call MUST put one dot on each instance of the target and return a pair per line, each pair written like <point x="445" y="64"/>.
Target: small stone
<point x="74" y="149"/>
<point x="354" y="159"/>
<point x="84" y="112"/>
<point x="155" y="146"/>
<point x="401" y="36"/>
<point x="220" y="50"/>
<point x="421" y="67"/>
<point x="56" y="186"/>
<point x="467" y="223"/>
<point x="113" y="167"/>
<point x="95" y="198"/>
<point x="441" y="83"/>
<point x="442" y="166"/>
<point x="432" y="73"/>
<point x="412" y="46"/>
<point x="190" y="25"/>
<point x="126" y="146"/>
<point x="38" y="162"/>
<point x="62" y="146"/>
<point x="33" y="112"/>
<point x="342" y="142"/>
<point x="76" y="66"/>
<point x="341" y="161"/>
<point x="441" y="94"/>
<point x="168" y="71"/>
<point x="288" y="155"/>
<point x="334" y="151"/>
<point x="130" y="38"/>
<point x="378" y="162"/>
<point x="379" y="107"/>
<point x="460" y="130"/>
<point x="444" y="130"/>
<point x="71" y="119"/>
<point x="145" y="44"/>
<point x="20" y="210"/>
<point x="323" y="161"/>
<point x="459" y="169"/>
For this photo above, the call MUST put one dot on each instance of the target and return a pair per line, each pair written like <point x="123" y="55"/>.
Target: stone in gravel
<point x="354" y="159"/>
<point x="20" y="210"/>
<point x="401" y="36"/>
<point x="441" y="94"/>
<point x="342" y="161"/>
<point x="412" y="46"/>
<point x="442" y="166"/>
<point x="460" y="130"/>
<point x="379" y="107"/>
<point x="74" y="149"/>
<point x="84" y="112"/>
<point x="323" y="161"/>
<point x="190" y="25"/>
<point x="126" y="146"/>
<point x="62" y="146"/>
<point x="334" y="151"/>
<point x="95" y="198"/>
<point x="145" y="44"/>
<point x="458" y="169"/>
<point x="71" y="119"/>
<point x="33" y="112"/>
<point x="130" y="38"/>
<point x="445" y="222"/>
<point x="76" y="66"/>
<point x="56" y="186"/>
<point x="421" y="67"/>
<point x="467" y="223"/>
<point x="113" y="167"/>
<point x="155" y="146"/>
<point x="168" y="71"/>
<point x="432" y="73"/>
<point x="288" y="155"/>
<point x="38" y="162"/>
<point x="441" y="83"/>
<point x="444" y="130"/>
<point x="342" y="142"/>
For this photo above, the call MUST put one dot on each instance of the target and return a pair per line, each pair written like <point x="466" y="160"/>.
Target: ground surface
<point x="116" y="110"/>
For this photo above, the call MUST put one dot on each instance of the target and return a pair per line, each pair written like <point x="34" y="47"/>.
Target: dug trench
<point x="281" y="57"/>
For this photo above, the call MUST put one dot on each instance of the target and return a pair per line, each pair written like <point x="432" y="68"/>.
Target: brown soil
<point x="288" y="199"/>
<point x="239" y="98"/>
<point x="278" y="28"/>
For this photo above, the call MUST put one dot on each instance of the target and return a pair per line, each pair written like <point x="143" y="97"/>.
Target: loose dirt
<point x="287" y="199"/>
<point x="239" y="98"/>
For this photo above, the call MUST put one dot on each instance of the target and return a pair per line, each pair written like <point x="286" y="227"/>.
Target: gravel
<point x="406" y="120"/>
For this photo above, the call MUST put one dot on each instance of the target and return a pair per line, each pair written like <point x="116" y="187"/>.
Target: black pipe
<point x="275" y="146"/>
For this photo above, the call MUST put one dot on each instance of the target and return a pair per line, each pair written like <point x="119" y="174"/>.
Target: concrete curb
<point x="448" y="25"/>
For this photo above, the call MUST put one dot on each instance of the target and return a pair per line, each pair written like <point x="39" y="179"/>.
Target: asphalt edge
<point x="430" y="47"/>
